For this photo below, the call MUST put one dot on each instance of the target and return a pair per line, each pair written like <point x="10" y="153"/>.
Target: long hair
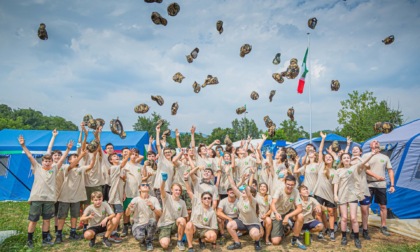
<point x="341" y="158"/>
<point x="326" y="170"/>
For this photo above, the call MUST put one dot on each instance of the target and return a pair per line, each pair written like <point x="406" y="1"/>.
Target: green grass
<point x="400" y="248"/>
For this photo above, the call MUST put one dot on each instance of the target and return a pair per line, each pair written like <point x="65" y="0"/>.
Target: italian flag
<point x="301" y="84"/>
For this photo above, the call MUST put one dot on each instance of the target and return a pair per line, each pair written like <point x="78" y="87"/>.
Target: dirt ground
<point x="130" y="244"/>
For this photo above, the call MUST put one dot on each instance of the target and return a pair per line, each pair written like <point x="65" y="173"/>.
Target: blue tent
<point x="300" y="146"/>
<point x="402" y="145"/>
<point x="16" y="181"/>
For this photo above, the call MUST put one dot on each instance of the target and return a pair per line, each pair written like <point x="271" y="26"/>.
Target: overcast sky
<point x="104" y="58"/>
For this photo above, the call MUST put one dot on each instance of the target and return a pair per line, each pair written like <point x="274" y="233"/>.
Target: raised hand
<point x="322" y="134"/>
<point x="55" y="133"/>
<point x="21" y="140"/>
<point x="193" y="129"/>
<point x="70" y="144"/>
<point x="349" y="140"/>
<point x="177" y="133"/>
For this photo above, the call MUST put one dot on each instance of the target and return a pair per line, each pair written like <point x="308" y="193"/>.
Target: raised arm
<point x="193" y="139"/>
<point x="158" y="147"/>
<point x="66" y="153"/>
<point x="349" y="140"/>
<point x="177" y="158"/>
<point x="93" y="161"/>
<point x="149" y="148"/>
<point x="178" y="142"/>
<point x="86" y="132"/>
<point x="247" y="142"/>
<point x="187" y="186"/>
<point x="217" y="141"/>
<point x="232" y="183"/>
<point x="25" y="149"/>
<point x="125" y="159"/>
<point x="51" y="144"/>
<point x="321" y="147"/>
<point x="296" y="168"/>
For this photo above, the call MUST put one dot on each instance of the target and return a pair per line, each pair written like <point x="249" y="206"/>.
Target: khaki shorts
<point x="167" y="231"/>
<point x="200" y="233"/>
<point x="63" y="210"/>
<point x="38" y="208"/>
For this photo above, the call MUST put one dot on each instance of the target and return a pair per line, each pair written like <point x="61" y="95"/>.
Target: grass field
<point x="14" y="217"/>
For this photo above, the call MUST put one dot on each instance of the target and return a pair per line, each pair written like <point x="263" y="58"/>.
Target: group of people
<point x="204" y="192"/>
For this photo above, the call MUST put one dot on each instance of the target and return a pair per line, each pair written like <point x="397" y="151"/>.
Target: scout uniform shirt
<point x="308" y="208"/>
<point x="230" y="209"/>
<point x="133" y="180"/>
<point x="200" y="186"/>
<point x="345" y="178"/>
<point x="378" y="164"/>
<point x="43" y="188"/>
<point x="206" y="163"/>
<point x="202" y="218"/>
<point x="94" y="177"/>
<point x="100" y="213"/>
<point x="248" y="211"/>
<point x="263" y="205"/>
<point x="172" y="210"/>
<point x="361" y="185"/>
<point x="285" y="202"/>
<point x="141" y="212"/>
<point x="324" y="187"/>
<point x="74" y="185"/>
<point x="223" y="180"/>
<point x="164" y="165"/>
<point x="243" y="165"/>
<point x="116" y="192"/>
<point x="310" y="171"/>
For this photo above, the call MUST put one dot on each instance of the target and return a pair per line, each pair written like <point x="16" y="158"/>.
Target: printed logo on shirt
<point x="382" y="161"/>
<point x="235" y="209"/>
<point x="313" y="169"/>
<point x="205" y="219"/>
<point x="50" y="172"/>
<point x="208" y="165"/>
<point x="103" y="212"/>
<point x="179" y="208"/>
<point x="246" y="207"/>
<point x="308" y="208"/>
<point x="138" y="170"/>
<point x="350" y="172"/>
<point x="291" y="199"/>
<point x="246" y="162"/>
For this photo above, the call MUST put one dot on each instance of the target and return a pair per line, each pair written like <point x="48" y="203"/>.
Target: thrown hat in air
<point x="141" y="108"/>
<point x="312" y="22"/>
<point x="42" y="32"/>
<point x="158" y="19"/>
<point x="240" y="110"/>
<point x="272" y="93"/>
<point x="174" y="108"/>
<point x="277" y="59"/>
<point x="173" y="9"/>
<point x="277" y="77"/>
<point x="335" y="85"/>
<point x="117" y="128"/>
<point x="245" y="49"/>
<point x="178" y="77"/>
<point x="196" y="87"/>
<point x="158" y="99"/>
<point x="219" y="26"/>
<point x="292" y="70"/>
<point x="388" y="40"/>
<point x="291" y="113"/>
<point x="254" y="95"/>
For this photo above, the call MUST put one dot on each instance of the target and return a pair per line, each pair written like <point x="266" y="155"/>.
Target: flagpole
<point x="310" y="98"/>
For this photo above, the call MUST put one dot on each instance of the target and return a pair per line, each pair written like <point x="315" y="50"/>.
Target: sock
<point x="56" y="228"/>
<point x="365" y="230"/>
<point x="85" y="227"/>
<point x="294" y="238"/>
<point x="59" y="232"/>
<point x="105" y="238"/>
<point x="344" y="234"/>
<point x="356" y="235"/>
<point x="30" y="236"/>
<point x="257" y="242"/>
<point x="126" y="224"/>
<point x="72" y="230"/>
<point x="44" y="235"/>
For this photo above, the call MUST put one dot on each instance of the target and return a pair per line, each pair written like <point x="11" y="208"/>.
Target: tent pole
<point x="18" y="179"/>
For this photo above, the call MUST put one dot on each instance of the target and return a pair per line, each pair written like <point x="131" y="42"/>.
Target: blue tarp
<point x="37" y="142"/>
<point x="403" y="149"/>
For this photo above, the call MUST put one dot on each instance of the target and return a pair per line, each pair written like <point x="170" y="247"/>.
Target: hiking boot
<point x="384" y="231"/>
<point x="92" y="242"/>
<point x="74" y="236"/>
<point x="30" y="244"/>
<point x="58" y="239"/>
<point x="202" y="244"/>
<point x="180" y="245"/>
<point x="222" y="240"/>
<point x="46" y="242"/>
<point x="49" y="237"/>
<point x="320" y="236"/>
<point x="115" y="238"/>
<point x="124" y="233"/>
<point x="366" y="235"/>
<point x="257" y="245"/>
<point x="299" y="244"/>
<point x="149" y="246"/>
<point x="344" y="241"/>
<point x="357" y="243"/>
<point x="106" y="242"/>
<point x="332" y="236"/>
<point x="234" y="246"/>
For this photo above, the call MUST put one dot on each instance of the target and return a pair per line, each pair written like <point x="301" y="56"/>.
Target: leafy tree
<point x="149" y="124"/>
<point x="31" y="119"/>
<point x="244" y="128"/>
<point x="360" y="112"/>
<point x="219" y="133"/>
<point x="279" y="135"/>
<point x="292" y="131"/>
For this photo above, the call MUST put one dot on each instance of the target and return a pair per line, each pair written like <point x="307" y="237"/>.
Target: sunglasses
<point x="144" y="184"/>
<point x="206" y="198"/>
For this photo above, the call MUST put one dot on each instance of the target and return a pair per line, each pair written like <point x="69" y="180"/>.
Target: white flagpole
<point x="310" y="98"/>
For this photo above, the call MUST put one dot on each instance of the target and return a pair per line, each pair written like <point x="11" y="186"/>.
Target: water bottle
<point x="307" y="238"/>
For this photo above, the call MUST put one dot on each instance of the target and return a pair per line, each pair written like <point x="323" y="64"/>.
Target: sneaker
<point x="107" y="243"/>
<point x="180" y="245"/>
<point x="298" y="244"/>
<point x="257" y="246"/>
<point x="351" y="235"/>
<point x="384" y="231"/>
<point x="58" y="239"/>
<point x="115" y="238"/>
<point x="46" y="242"/>
<point x="234" y="246"/>
<point x="344" y="241"/>
<point x="149" y="246"/>
<point x="92" y="242"/>
<point x="190" y="249"/>
<point x="366" y="235"/>
<point x="202" y="244"/>
<point x="239" y="233"/>
<point x="74" y="236"/>
<point x="125" y="231"/>
<point x="320" y="236"/>
<point x="332" y="236"/>
<point x="357" y="243"/>
<point x="30" y="244"/>
<point x="49" y="237"/>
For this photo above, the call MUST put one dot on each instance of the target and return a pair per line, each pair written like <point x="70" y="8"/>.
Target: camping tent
<point x="300" y="146"/>
<point x="17" y="179"/>
<point x="402" y="145"/>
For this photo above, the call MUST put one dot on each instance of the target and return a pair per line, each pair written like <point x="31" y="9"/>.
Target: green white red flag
<point x="301" y="83"/>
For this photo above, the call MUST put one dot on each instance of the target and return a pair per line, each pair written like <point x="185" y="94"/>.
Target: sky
<point x="105" y="57"/>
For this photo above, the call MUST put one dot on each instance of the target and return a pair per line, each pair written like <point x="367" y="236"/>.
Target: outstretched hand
<point x="21" y="140"/>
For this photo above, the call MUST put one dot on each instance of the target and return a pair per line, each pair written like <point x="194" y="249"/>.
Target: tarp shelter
<point x="402" y="146"/>
<point x="300" y="146"/>
<point x="12" y="156"/>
